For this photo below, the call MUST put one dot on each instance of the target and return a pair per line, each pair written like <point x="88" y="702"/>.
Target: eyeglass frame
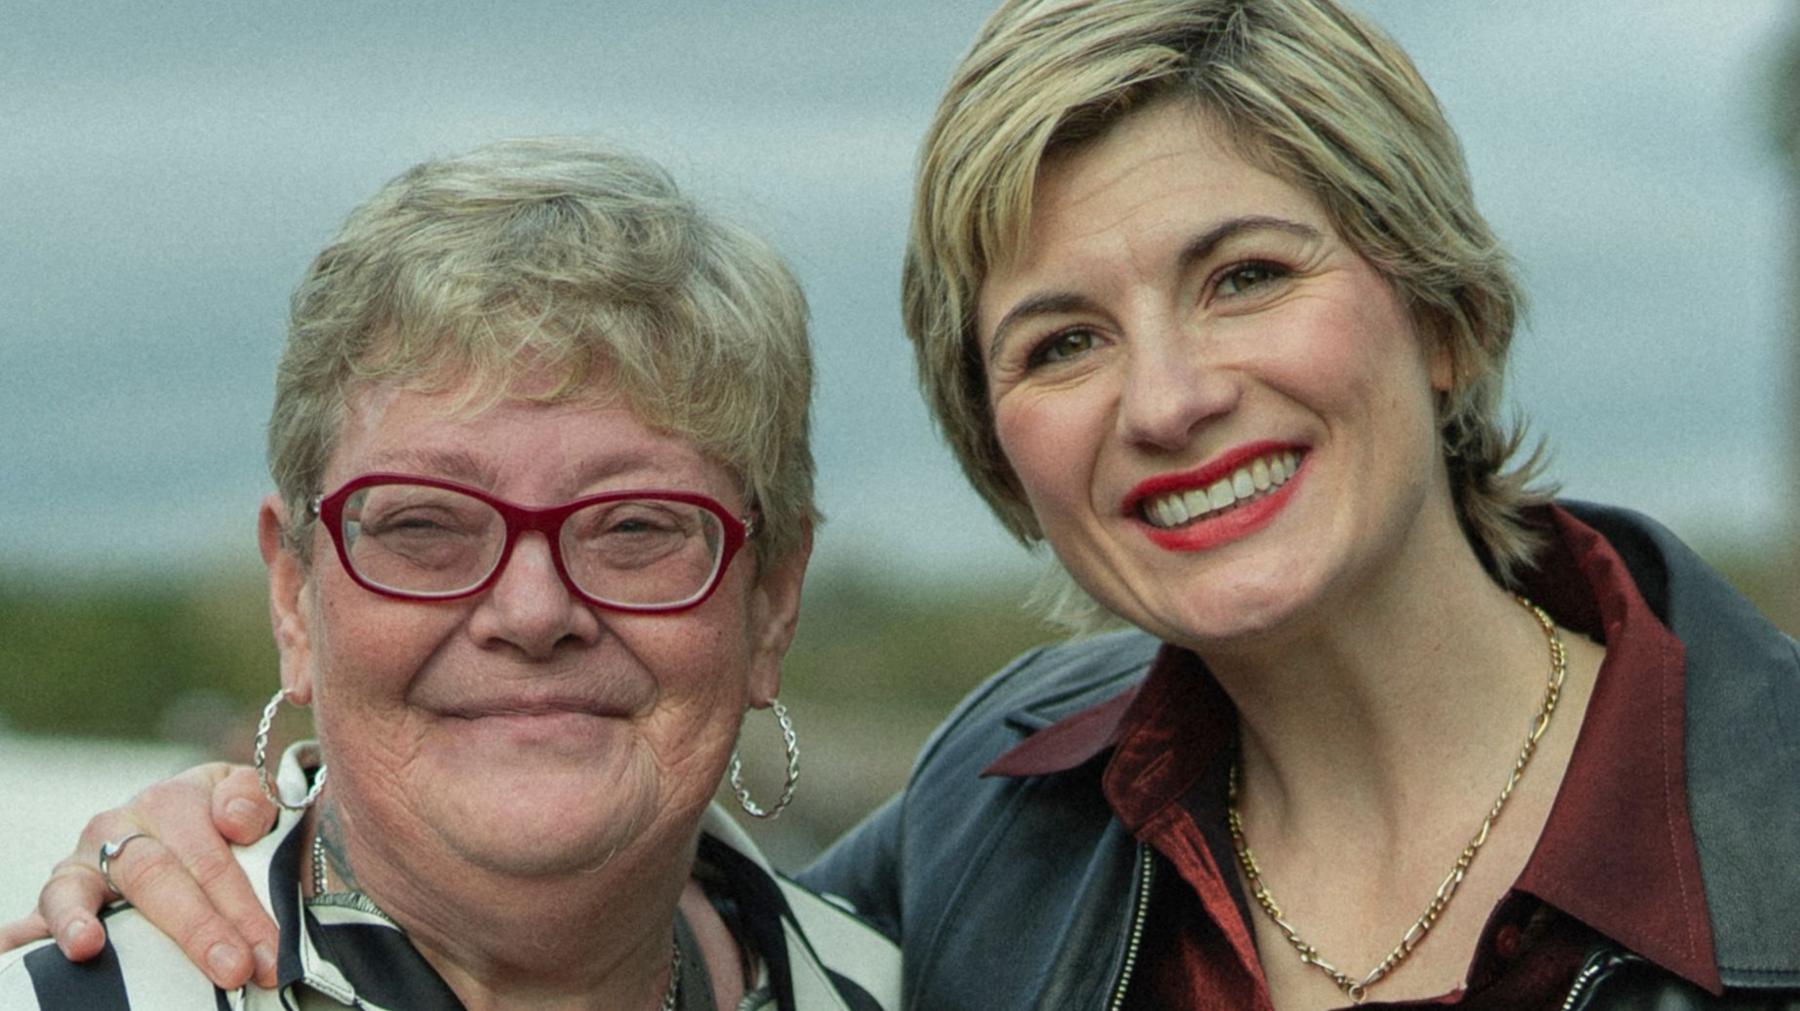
<point x="548" y="521"/>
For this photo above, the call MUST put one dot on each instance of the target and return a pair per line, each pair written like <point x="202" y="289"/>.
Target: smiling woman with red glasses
<point x="530" y="597"/>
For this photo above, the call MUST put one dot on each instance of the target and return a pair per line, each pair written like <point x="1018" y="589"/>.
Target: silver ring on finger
<point x="109" y="852"/>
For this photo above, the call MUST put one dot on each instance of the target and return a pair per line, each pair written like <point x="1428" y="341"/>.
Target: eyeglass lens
<point x="437" y="542"/>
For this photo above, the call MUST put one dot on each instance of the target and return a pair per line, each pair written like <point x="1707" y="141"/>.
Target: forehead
<point x="541" y="451"/>
<point x="1172" y="160"/>
<point x="1133" y="197"/>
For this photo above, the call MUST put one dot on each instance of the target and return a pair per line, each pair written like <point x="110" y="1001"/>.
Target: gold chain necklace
<point x="1358" y="989"/>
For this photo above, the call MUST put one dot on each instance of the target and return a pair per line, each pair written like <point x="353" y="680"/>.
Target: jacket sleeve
<point x="864" y="867"/>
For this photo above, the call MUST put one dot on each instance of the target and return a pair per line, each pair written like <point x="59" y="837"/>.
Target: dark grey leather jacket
<point x="1026" y="893"/>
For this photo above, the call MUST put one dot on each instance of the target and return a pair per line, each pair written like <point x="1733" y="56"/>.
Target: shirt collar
<point x="1069" y="742"/>
<point x="341" y="946"/>
<point x="344" y="947"/>
<point x="1618" y="849"/>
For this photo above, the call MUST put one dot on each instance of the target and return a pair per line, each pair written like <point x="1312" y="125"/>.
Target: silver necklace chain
<point x="671" y="995"/>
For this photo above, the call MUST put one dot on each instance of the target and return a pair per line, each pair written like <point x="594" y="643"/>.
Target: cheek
<point x="1048" y="440"/>
<point x="700" y="660"/>
<point x="1361" y="359"/>
<point x="370" y="651"/>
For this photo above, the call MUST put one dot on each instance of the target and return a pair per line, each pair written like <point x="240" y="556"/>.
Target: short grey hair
<point x="556" y="254"/>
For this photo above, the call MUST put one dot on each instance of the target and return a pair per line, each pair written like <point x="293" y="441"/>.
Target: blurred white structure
<point x="49" y="787"/>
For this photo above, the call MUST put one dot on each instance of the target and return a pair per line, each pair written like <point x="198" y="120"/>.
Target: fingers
<point x="180" y="874"/>
<point x="67" y="908"/>
<point x="176" y="897"/>
<point x="22" y="931"/>
<point x="70" y="901"/>
<point x="242" y="814"/>
<point x="240" y="811"/>
<point x="208" y="900"/>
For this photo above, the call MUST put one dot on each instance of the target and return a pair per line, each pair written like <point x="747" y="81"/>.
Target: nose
<point x="1170" y="389"/>
<point x="530" y="608"/>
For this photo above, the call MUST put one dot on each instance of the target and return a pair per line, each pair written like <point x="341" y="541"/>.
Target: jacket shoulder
<point x="1037" y="689"/>
<point x="1742" y="749"/>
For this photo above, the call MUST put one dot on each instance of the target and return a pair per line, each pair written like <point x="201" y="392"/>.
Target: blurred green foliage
<point x="111" y="657"/>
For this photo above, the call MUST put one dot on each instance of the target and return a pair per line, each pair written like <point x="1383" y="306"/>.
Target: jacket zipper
<point x="1140" y="912"/>
<point x="1582" y="981"/>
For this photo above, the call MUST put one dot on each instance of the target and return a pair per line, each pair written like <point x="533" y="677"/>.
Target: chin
<point x="1242" y="614"/>
<point x="548" y="822"/>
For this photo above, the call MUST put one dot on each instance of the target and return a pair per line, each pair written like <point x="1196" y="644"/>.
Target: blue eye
<point x="1062" y="346"/>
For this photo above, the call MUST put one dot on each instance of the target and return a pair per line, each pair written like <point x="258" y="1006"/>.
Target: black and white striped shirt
<point x="342" y="951"/>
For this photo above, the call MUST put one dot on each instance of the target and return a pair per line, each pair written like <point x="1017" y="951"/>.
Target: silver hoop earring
<point x="270" y="790"/>
<point x="792" y="743"/>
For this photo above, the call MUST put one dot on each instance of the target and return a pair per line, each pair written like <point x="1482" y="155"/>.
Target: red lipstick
<point x="1229" y="525"/>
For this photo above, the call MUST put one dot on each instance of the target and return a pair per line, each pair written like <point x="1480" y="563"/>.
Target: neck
<point x="1403" y="699"/>
<point x="595" y="938"/>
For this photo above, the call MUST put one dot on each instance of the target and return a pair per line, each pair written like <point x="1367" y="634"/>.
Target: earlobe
<point x="774" y="617"/>
<point x="287" y="613"/>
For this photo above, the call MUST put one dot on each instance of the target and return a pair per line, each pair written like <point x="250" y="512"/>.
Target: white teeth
<point x="1261" y="476"/>
<point x="1219" y="495"/>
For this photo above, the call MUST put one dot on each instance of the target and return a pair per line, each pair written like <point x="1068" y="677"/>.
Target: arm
<point x="179" y="873"/>
<point x="864" y="867"/>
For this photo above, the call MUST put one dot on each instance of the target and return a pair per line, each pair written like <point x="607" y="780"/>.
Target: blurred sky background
<point x="167" y="170"/>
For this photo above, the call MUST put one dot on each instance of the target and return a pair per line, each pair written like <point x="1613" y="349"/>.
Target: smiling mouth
<point x="1248" y="483"/>
<point x="521" y="709"/>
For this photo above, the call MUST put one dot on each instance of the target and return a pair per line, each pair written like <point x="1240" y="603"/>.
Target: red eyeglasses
<point x="419" y="538"/>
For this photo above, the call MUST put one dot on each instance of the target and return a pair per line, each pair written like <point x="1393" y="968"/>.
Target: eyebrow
<point x="461" y="466"/>
<point x="454" y="464"/>
<point x="1198" y="248"/>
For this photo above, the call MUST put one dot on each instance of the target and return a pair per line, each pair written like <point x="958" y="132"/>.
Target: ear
<point x="288" y="613"/>
<point x="1442" y="364"/>
<point x="774" y="614"/>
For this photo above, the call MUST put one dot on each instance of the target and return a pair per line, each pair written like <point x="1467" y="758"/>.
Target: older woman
<point x="1202" y="299"/>
<point x="530" y="594"/>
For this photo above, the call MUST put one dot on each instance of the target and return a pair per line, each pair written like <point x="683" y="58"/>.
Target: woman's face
<point x="521" y="730"/>
<point x="1179" y="331"/>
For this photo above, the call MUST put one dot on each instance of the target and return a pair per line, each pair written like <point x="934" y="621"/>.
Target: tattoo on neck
<point x="331" y="832"/>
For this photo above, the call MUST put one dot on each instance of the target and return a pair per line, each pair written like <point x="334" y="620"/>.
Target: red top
<point x="1616" y="857"/>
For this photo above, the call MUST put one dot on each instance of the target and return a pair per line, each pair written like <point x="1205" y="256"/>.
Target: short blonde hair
<point x="566" y="259"/>
<point x="1306" y="91"/>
